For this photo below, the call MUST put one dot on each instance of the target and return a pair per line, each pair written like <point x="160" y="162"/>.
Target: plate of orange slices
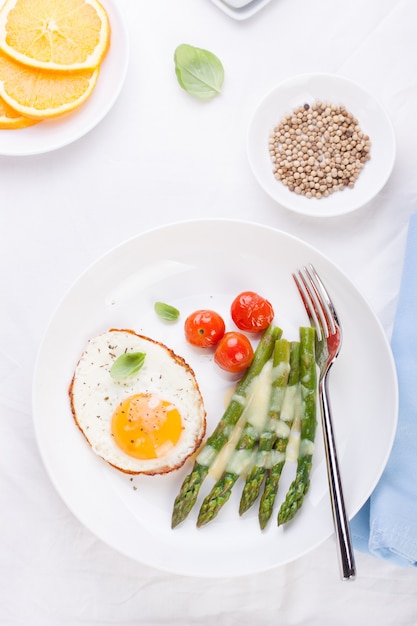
<point x="62" y="67"/>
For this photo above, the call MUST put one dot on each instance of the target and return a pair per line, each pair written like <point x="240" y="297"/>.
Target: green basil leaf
<point x="198" y="71"/>
<point x="166" y="311"/>
<point x="127" y="364"/>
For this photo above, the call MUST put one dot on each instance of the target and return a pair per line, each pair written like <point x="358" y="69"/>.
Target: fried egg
<point x="147" y="423"/>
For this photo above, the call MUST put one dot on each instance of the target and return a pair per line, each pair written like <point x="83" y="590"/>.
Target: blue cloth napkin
<point x="386" y="526"/>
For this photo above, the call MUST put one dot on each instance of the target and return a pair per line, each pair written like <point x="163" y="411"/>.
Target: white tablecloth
<point x="157" y="157"/>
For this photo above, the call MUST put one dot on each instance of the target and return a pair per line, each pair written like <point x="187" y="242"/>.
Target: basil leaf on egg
<point x="166" y="311"/>
<point x="198" y="71"/>
<point x="127" y="364"/>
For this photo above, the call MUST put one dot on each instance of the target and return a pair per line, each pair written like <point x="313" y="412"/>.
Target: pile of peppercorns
<point x="319" y="149"/>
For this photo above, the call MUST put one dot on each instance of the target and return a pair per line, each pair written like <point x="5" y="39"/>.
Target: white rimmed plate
<point x="193" y="265"/>
<point x="240" y="9"/>
<point x="337" y="90"/>
<point x="50" y="135"/>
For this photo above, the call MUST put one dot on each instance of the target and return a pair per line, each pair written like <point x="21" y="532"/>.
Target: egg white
<point x="94" y="396"/>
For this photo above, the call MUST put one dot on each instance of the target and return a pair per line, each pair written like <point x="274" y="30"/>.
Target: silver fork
<point x="323" y="317"/>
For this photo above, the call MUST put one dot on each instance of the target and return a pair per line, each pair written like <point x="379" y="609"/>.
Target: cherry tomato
<point x="204" y="328"/>
<point x="251" y="312"/>
<point x="234" y="352"/>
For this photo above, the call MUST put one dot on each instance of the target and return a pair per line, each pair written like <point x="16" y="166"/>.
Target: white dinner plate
<point x="53" y="134"/>
<point x="205" y="264"/>
<point x="373" y="120"/>
<point x="240" y="9"/>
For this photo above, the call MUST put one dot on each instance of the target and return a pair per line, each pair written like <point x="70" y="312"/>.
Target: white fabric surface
<point x="157" y="157"/>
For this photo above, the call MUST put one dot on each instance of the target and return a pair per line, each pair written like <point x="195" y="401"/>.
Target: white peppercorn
<point x="318" y="149"/>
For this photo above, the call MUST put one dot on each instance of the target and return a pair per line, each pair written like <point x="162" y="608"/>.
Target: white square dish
<point x="240" y="9"/>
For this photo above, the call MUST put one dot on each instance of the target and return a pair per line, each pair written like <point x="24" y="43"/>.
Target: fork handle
<point x="340" y="519"/>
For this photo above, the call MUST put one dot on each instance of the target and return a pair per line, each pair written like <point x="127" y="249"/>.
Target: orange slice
<point x="9" y="118"/>
<point x="40" y="94"/>
<point x="55" y="34"/>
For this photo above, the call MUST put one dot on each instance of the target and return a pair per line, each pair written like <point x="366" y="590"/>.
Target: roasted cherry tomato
<point x="234" y="352"/>
<point x="251" y="312"/>
<point x="204" y="328"/>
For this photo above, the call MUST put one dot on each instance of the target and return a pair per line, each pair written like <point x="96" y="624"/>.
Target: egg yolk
<point x="146" y="427"/>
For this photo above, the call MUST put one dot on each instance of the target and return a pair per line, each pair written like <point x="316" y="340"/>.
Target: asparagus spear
<point x="288" y="413"/>
<point x="188" y="493"/>
<point x="308" y="377"/>
<point x="254" y="480"/>
<point x="256" y="413"/>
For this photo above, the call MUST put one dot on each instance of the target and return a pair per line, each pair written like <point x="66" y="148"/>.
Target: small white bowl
<point x="306" y="89"/>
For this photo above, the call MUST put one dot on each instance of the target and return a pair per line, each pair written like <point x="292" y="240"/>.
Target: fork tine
<point x="324" y="297"/>
<point x="315" y="295"/>
<point x="319" y="303"/>
<point x="306" y="299"/>
<point x="315" y="303"/>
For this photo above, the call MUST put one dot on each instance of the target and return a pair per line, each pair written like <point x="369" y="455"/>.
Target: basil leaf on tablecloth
<point x="198" y="71"/>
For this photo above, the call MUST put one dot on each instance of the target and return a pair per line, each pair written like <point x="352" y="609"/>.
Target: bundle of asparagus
<point x="256" y="426"/>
